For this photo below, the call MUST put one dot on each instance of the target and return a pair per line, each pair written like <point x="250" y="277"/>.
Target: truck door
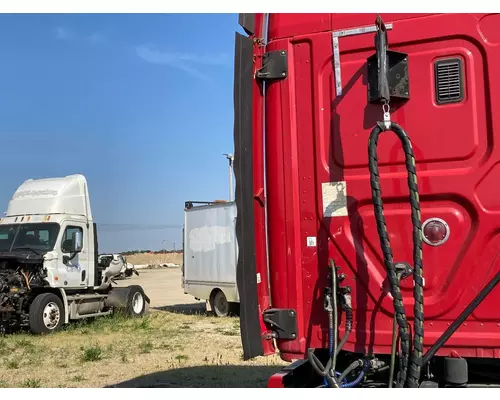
<point x="75" y="267"/>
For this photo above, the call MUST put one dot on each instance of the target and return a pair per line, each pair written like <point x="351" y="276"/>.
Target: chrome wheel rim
<point x="137" y="303"/>
<point x="51" y="315"/>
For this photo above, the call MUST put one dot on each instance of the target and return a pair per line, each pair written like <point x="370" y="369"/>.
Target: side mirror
<point x="77" y="242"/>
<point x="76" y="246"/>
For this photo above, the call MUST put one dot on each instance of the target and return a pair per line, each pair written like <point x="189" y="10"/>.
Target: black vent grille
<point x="449" y="81"/>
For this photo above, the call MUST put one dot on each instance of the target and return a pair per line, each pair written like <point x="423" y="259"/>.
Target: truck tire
<point x="46" y="314"/>
<point x="219" y="304"/>
<point x="136" y="304"/>
<point x="129" y="301"/>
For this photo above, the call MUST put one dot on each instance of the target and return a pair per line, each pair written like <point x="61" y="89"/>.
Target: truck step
<point x="100" y="314"/>
<point x="85" y="297"/>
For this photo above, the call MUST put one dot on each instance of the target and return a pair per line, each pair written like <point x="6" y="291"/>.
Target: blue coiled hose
<point x="358" y="379"/>
<point x="332" y="324"/>
<point x="331" y="342"/>
<point x="331" y="354"/>
<point x="325" y="381"/>
<point x="353" y="383"/>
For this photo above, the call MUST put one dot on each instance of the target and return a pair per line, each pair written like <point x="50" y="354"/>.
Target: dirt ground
<point x="163" y="287"/>
<point x="176" y="345"/>
<point x="154" y="259"/>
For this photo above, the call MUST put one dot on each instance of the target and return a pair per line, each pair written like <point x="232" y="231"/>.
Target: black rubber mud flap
<point x="247" y="22"/>
<point x="246" y="276"/>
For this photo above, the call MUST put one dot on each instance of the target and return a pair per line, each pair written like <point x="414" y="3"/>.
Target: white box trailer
<point x="210" y="255"/>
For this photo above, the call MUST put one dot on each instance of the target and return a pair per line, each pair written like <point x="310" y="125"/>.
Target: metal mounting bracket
<point x="336" y="50"/>
<point x="283" y="322"/>
<point x="274" y="66"/>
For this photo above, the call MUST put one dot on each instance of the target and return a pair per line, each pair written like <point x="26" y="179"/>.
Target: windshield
<point x="38" y="237"/>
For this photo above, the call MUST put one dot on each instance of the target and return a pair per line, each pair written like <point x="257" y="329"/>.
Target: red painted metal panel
<point x="314" y="137"/>
<point x="276" y="381"/>
<point x="284" y="25"/>
<point x="258" y="185"/>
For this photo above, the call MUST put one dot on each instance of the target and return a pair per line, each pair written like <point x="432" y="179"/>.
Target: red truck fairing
<point x="317" y="124"/>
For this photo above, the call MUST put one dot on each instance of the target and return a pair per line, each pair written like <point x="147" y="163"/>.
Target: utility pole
<point x="230" y="158"/>
<point x="173" y="242"/>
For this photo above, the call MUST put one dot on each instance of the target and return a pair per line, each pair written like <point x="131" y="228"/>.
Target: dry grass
<point x="161" y="349"/>
<point x="154" y="259"/>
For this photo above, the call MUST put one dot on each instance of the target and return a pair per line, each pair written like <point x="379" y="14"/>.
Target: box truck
<point x="210" y="255"/>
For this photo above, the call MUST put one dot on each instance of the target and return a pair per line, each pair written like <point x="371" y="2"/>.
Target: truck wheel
<point x="220" y="305"/>
<point x="129" y="301"/>
<point x="136" y="306"/>
<point x="46" y="313"/>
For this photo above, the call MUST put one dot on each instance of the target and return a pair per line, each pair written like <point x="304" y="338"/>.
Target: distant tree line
<point x="163" y="251"/>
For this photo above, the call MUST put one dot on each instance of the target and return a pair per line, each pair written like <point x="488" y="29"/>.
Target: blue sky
<point x="142" y="105"/>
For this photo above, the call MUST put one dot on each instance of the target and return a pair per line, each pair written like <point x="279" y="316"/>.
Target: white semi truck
<point x="210" y="255"/>
<point x="50" y="270"/>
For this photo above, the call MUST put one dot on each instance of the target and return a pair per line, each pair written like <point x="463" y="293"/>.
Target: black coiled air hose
<point x="411" y="375"/>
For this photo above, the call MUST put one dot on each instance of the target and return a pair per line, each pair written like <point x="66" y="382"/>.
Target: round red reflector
<point x="435" y="231"/>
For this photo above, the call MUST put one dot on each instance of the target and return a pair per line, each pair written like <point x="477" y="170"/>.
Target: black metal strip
<point x="246" y="276"/>
<point x="461" y="318"/>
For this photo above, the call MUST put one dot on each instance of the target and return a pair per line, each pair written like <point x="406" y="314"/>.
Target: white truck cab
<point x="50" y="270"/>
